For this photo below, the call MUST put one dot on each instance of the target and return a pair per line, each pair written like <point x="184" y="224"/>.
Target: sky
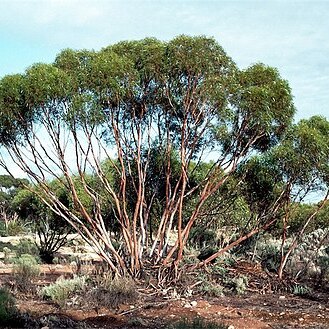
<point x="292" y="36"/>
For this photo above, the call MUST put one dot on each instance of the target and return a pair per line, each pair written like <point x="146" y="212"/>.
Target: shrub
<point x="60" y="291"/>
<point x="15" y="227"/>
<point x="197" y="323"/>
<point x="211" y="290"/>
<point x="3" y="230"/>
<point x="8" y="309"/>
<point x="228" y="259"/>
<point x="27" y="246"/>
<point x="202" y="237"/>
<point x="26" y="269"/>
<point x="6" y="255"/>
<point x="111" y="293"/>
<point x="300" y="290"/>
<point x="308" y="259"/>
<point x="190" y="255"/>
<point x="324" y="267"/>
<point x="240" y="284"/>
<point x="269" y="253"/>
<point x="219" y="270"/>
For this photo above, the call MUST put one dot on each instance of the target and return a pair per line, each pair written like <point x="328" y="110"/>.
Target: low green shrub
<point x="190" y="255"/>
<point x="197" y="323"/>
<point x="111" y="293"/>
<point x="27" y="246"/>
<point x="211" y="290"/>
<point x="8" y="310"/>
<point x="239" y="284"/>
<point x="219" y="270"/>
<point x="63" y="289"/>
<point x="101" y="292"/>
<point x="270" y="256"/>
<point x="6" y="255"/>
<point x="14" y="227"/>
<point x="25" y="270"/>
<point x="300" y="290"/>
<point x="324" y="267"/>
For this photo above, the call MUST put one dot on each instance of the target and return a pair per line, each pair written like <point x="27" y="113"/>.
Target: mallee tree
<point x="131" y="112"/>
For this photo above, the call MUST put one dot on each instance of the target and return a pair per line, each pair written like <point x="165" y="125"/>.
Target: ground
<point x="254" y="309"/>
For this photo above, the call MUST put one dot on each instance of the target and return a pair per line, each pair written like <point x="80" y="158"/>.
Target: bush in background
<point x="27" y="246"/>
<point x="309" y="258"/>
<point x="14" y="227"/>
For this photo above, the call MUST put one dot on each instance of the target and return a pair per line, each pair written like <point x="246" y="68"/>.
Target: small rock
<point x="230" y="327"/>
<point x="187" y="305"/>
<point x="282" y="297"/>
<point x="301" y="319"/>
<point x="194" y="303"/>
<point x="44" y="327"/>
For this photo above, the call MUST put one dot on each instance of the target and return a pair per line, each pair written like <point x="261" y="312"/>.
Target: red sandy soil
<point x="249" y="311"/>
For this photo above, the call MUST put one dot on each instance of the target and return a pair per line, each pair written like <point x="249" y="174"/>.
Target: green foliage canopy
<point x="143" y="101"/>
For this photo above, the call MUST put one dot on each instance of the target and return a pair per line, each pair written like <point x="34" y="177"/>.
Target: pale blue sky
<point x="290" y="35"/>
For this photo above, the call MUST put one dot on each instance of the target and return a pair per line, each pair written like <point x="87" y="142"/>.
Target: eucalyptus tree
<point x="186" y="96"/>
<point x="303" y="159"/>
<point x="276" y="182"/>
<point x="9" y="187"/>
<point x="303" y="211"/>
